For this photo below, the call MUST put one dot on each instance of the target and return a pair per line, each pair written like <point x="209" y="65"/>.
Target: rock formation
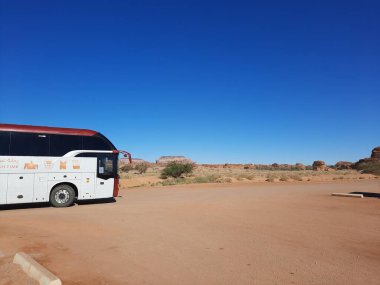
<point x="340" y="165"/>
<point x="168" y="159"/>
<point x="300" y="166"/>
<point x="319" y="165"/>
<point x="134" y="160"/>
<point x="376" y="153"/>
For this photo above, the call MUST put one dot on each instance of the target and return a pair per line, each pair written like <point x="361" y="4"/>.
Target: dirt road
<point x="204" y="234"/>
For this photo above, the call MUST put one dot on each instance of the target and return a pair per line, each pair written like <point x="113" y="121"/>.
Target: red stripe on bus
<point x="45" y="130"/>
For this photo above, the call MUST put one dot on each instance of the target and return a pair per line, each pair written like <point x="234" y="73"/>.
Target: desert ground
<point x="237" y="174"/>
<point x="247" y="233"/>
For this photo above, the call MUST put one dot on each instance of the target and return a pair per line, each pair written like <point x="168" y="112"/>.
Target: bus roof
<point x="46" y="130"/>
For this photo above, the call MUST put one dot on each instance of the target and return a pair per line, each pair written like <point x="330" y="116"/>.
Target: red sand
<point x="207" y="234"/>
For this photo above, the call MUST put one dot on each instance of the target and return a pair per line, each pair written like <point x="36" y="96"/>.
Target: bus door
<point x="20" y="188"/>
<point x="106" y="172"/>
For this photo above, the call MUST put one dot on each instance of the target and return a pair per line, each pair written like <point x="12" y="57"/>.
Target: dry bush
<point x="172" y="181"/>
<point x="247" y="176"/>
<point x="284" y="178"/>
<point x="206" y="179"/>
<point x="176" y="169"/>
<point x="224" y="180"/>
<point x="141" y="167"/>
<point x="295" y="177"/>
<point x="271" y="178"/>
<point x="126" y="168"/>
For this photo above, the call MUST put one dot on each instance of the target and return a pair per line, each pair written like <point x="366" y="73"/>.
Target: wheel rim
<point x="62" y="196"/>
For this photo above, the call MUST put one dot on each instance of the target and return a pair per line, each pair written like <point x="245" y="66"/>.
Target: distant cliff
<point x="168" y="159"/>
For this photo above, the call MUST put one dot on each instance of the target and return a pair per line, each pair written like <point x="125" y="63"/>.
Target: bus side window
<point x="62" y="144"/>
<point x="5" y="140"/>
<point x="29" y="144"/>
<point x="95" y="143"/>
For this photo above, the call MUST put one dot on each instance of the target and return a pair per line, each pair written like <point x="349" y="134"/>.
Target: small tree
<point x="141" y="167"/>
<point x="126" y="167"/>
<point x="176" y="169"/>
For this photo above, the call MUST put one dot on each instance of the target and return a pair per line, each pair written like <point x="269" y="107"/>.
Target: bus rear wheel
<point x="62" y="196"/>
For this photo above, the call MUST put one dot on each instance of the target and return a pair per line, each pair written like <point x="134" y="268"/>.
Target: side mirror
<point x="126" y="154"/>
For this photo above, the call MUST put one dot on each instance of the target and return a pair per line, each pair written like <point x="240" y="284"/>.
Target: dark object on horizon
<point x="319" y="165"/>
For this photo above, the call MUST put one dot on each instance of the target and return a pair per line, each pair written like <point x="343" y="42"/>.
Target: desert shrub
<point x="271" y="178"/>
<point x="239" y="178"/>
<point x="172" y="181"/>
<point x="176" y="169"/>
<point x="224" y="180"/>
<point x="371" y="167"/>
<point x="206" y="179"/>
<point x="249" y="176"/>
<point x="126" y="167"/>
<point x="142" y="167"/>
<point x="284" y="178"/>
<point x="295" y="177"/>
<point x="245" y="176"/>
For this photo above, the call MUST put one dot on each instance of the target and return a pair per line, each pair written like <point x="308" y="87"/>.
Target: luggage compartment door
<point x="20" y="188"/>
<point x="40" y="193"/>
<point x="3" y="188"/>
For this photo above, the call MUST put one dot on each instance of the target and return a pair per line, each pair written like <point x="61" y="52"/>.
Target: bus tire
<point x="62" y="196"/>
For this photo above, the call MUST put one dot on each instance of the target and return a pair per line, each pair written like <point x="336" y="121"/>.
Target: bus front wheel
<point x="62" y="196"/>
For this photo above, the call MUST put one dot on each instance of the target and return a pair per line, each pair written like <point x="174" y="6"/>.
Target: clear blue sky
<point x="218" y="81"/>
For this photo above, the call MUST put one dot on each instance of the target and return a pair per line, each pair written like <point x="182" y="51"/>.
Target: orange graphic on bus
<point x="76" y="165"/>
<point x="30" y="165"/>
<point x="62" y="165"/>
<point x="48" y="164"/>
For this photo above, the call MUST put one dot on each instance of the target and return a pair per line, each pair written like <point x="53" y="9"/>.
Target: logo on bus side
<point x="48" y="164"/>
<point x="62" y="165"/>
<point x="9" y="163"/>
<point x="76" y="164"/>
<point x="30" y="165"/>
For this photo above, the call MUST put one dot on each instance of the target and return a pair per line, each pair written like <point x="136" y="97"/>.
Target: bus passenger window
<point x="5" y="139"/>
<point x="62" y="144"/>
<point x="95" y="143"/>
<point x="29" y="144"/>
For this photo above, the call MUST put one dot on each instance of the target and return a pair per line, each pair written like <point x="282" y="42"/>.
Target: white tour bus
<point x="56" y="165"/>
